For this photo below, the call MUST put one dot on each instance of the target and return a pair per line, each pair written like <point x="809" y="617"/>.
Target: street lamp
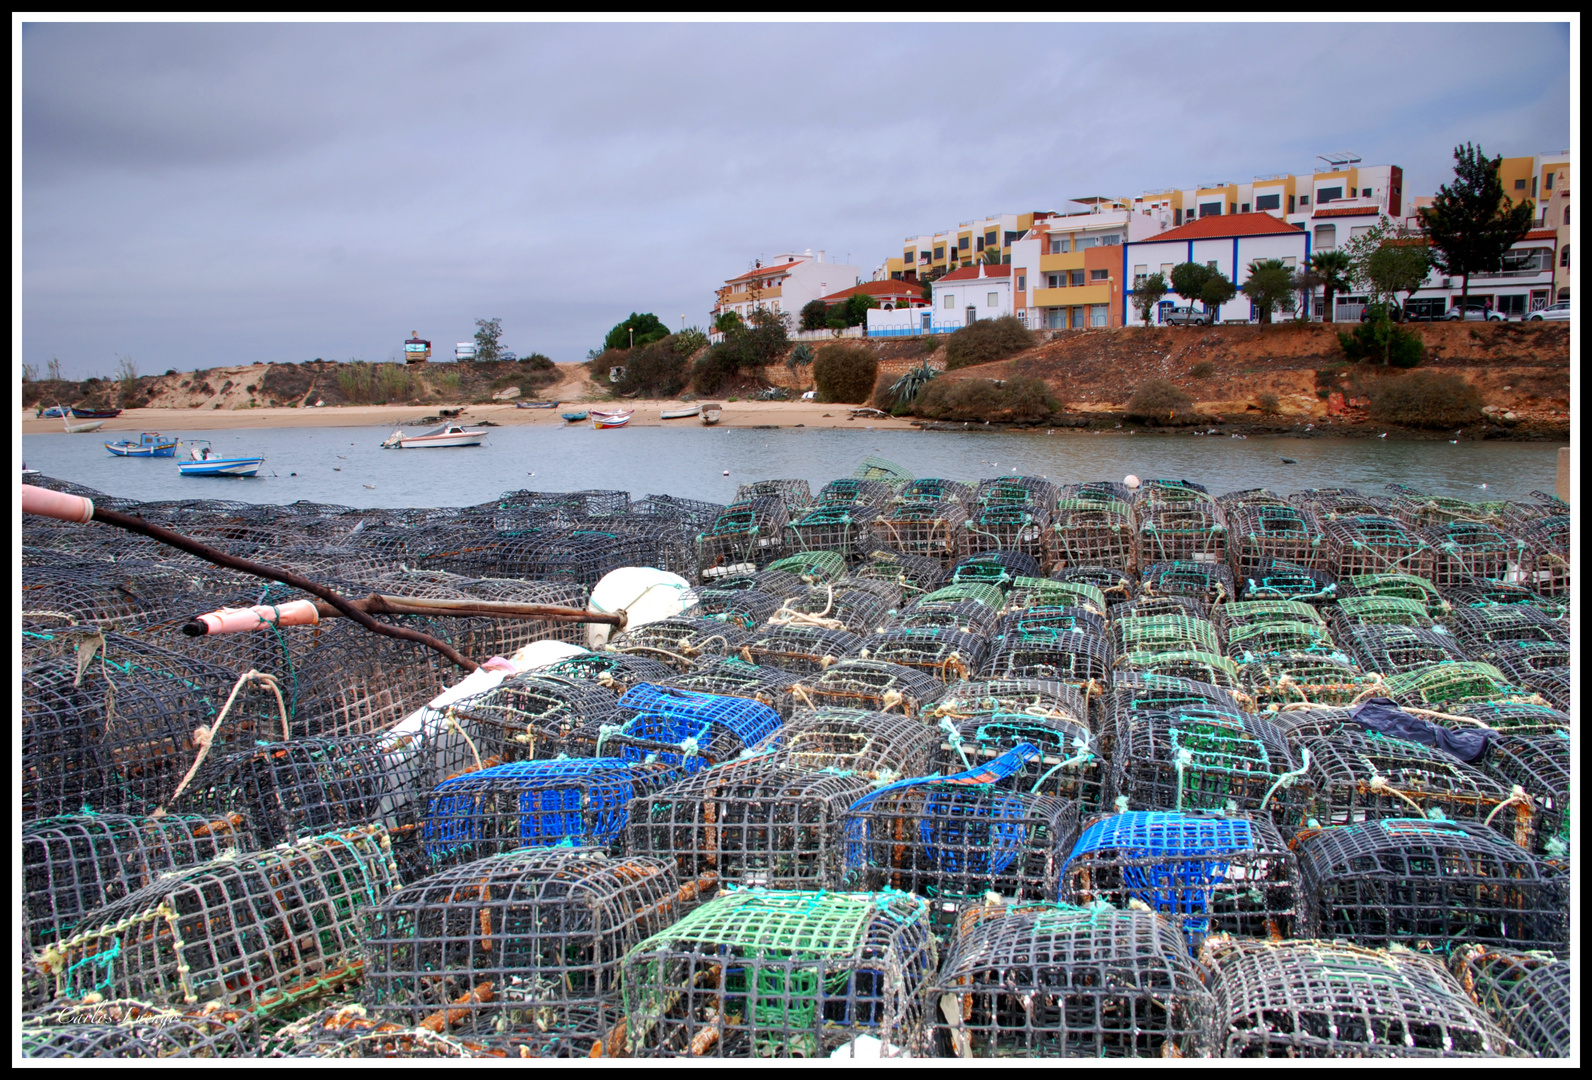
<point x="632" y="337"/>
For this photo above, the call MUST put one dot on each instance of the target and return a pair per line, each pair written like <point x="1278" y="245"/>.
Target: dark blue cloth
<point x="1382" y="716"/>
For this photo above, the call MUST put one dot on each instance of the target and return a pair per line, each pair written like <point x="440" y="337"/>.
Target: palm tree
<point x="1333" y="267"/>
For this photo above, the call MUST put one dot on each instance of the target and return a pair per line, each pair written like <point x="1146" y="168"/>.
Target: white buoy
<point x="1130" y="482"/>
<point x="644" y="593"/>
<point x="726" y="472"/>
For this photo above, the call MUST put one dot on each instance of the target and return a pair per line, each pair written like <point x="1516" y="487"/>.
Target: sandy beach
<point x="738" y="414"/>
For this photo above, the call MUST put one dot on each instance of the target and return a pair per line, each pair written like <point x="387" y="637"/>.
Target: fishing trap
<point x="872" y="744"/>
<point x="746" y="537"/>
<point x="798" y="648"/>
<point x="1374" y="544"/>
<point x="529" y="717"/>
<point x="1085" y="532"/>
<point x="927" y="530"/>
<point x="1526" y="993"/>
<point x="680" y="639"/>
<point x="947" y="654"/>
<point x="735" y="677"/>
<point x="1191" y="758"/>
<point x="874" y="685"/>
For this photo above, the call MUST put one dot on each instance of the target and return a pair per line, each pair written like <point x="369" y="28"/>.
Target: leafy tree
<point x="992" y="256"/>
<point x="1216" y="291"/>
<point x="1270" y="287"/>
<point x="928" y="279"/>
<point x="488" y="336"/>
<point x="1305" y="282"/>
<point x="1147" y="294"/>
<point x="856" y="308"/>
<point x="815" y="313"/>
<point x="648" y="328"/>
<point x="1387" y="261"/>
<point x="54" y="368"/>
<point x="727" y="322"/>
<point x="1470" y="224"/>
<point x="1189" y="278"/>
<point x="845" y="373"/>
<point x="1332" y="273"/>
<point x="690" y="340"/>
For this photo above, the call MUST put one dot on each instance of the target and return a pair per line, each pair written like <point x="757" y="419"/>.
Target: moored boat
<point x="203" y="461"/>
<point x="54" y="412"/>
<point x="446" y="435"/>
<point x="610" y="419"/>
<point x="710" y="414"/>
<point x="536" y="404"/>
<point x="574" y="417"/>
<point x="95" y="414"/>
<point x="84" y="428"/>
<point x="151" y="444"/>
<point x="680" y="414"/>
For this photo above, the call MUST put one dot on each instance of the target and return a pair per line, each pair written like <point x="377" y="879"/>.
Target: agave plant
<point x="800" y="356"/>
<point x="909" y="386"/>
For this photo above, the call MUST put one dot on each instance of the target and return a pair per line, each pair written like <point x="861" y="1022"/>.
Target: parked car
<point x="1561" y="310"/>
<point x="1187" y="316"/>
<point x="1371" y="311"/>
<point x="1476" y="313"/>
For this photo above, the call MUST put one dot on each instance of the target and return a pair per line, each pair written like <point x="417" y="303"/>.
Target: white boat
<point x="446" y="435"/>
<point x="203" y="461"/>
<point x="711" y="413"/>
<point x="83" y="429"/>
<point x="680" y="414"/>
<point x="610" y="419"/>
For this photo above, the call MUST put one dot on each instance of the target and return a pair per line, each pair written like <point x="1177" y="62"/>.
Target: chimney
<point x="980" y="269"/>
<point x="820" y="256"/>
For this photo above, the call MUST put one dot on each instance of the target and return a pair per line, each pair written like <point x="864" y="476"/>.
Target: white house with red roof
<point x="1227" y="242"/>
<point x="889" y="294"/>
<point x="783" y="284"/>
<point x="974" y="292"/>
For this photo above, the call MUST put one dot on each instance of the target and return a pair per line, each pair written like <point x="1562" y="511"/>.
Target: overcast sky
<point x="198" y="195"/>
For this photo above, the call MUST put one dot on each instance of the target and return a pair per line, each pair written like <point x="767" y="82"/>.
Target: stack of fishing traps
<point x="1000" y="769"/>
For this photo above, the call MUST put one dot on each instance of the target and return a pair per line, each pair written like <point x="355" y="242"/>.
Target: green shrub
<point x="715" y="369"/>
<point x="1269" y="405"/>
<point x="1382" y="340"/>
<point x="537" y="362"/>
<point x="1203" y="370"/>
<point x="1425" y="399"/>
<point x="599" y="365"/>
<point x="1013" y="400"/>
<point x="362" y="383"/>
<point x="985" y="341"/>
<point x="690" y="340"/>
<point x="845" y="373"/>
<point x="1161" y="402"/>
<point x="800" y="356"/>
<point x="659" y="370"/>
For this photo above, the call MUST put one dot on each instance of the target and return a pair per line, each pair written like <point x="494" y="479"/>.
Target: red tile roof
<point x="1347" y="211"/>
<point x="1221" y="226"/>
<point x="766" y="271"/>
<point x="1542" y="234"/>
<point x="969" y="273"/>
<point x="879" y="290"/>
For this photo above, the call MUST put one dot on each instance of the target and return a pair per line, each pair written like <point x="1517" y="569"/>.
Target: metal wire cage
<point x="1205" y="759"/>
<point x="1276" y="579"/>
<point x="1116" y="585"/>
<point x="860" y="605"/>
<point x="680" y="640"/>
<point x="735" y="677"/>
<point x="1331" y="503"/>
<point x="1469" y="549"/>
<point x="1291" y="678"/>
<point x="683" y="728"/>
<point x="915" y="574"/>
<point x="746" y="608"/>
<point x="1406" y="586"/>
<point x="1210" y="582"/>
<point x="812" y="567"/>
<point x="1050" y="981"/>
<point x="967" y="616"/>
<point x="345" y="1031"/>
<point x="746" y="537"/>
<point x="952" y="843"/>
<point x="1429" y="885"/>
<point x="1028" y="592"/>
<point x="998" y="568"/>
<point x="1539" y="766"/>
<point x="135" y="1029"/>
<point x="1181" y="531"/>
<point x="1263" y="533"/>
<point x="1482" y="592"/>
<point x="1091" y="532"/>
<point x="530" y="939"/>
<point x="1066" y="644"/>
<point x="797" y="648"/>
<point x="753" y="822"/>
<point x="1545" y="562"/>
<point x="928" y="530"/>
<point x="872" y="744"/>
<point x="1015" y="490"/>
<point x="615" y="672"/>
<point x="1480" y="628"/>
<point x="932" y="489"/>
<point x="1440" y="685"/>
<point x="1006" y="526"/>
<point x="875" y="685"/>
<point x="1210" y="873"/>
<point x="1516" y="717"/>
<point x="1358" y="777"/>
<point x="79" y="863"/>
<point x="1423" y="510"/>
<point x="1046" y="698"/>
<point x="794" y="495"/>
<point x="948" y="654"/>
<point x="536" y="804"/>
<point x="1392" y="650"/>
<point x="762" y="973"/>
<point x="260" y="931"/>
<point x="1331" y="999"/>
<point x="1374" y="544"/>
<point x="527" y="717"/>
<point x="1355" y="611"/>
<point x="1163" y="491"/>
<point x="1528" y="994"/>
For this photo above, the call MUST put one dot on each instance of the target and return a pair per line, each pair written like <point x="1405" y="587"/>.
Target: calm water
<point x="690" y="462"/>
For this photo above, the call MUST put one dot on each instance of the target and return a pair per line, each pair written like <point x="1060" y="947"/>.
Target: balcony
<point x="1070" y="297"/>
<point x="1065" y="260"/>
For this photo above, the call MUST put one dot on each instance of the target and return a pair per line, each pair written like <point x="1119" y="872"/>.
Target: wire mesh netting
<point x="680" y="640"/>
<point x="734" y="676"/>
<point x="1182" y="531"/>
<point x="1528" y="994"/>
<point x="745" y="537"/>
<point x="1393" y="650"/>
<point x="1057" y="981"/>
<point x="135" y="1029"/>
<point x="1205" y="759"/>
<point x="860" y="605"/>
<point x="1088" y="532"/>
<point x="1374" y="544"/>
<point x="929" y="489"/>
<point x="527" y="717"/>
<point x="812" y="567"/>
<point x="1429" y="885"/>
<point x="798" y="648"/>
<point x="872" y="744"/>
<point x="1277" y="579"/>
<point x="616" y="672"/>
<point x="529" y="939"/>
<point x="259" y="930"/>
<point x="929" y="530"/>
<point x="967" y="616"/>
<point x="1210" y="582"/>
<point x="1068" y="763"/>
<point x="875" y="685"/>
<point x="1539" y="765"/>
<point x="1209" y="872"/>
<point x="998" y="568"/>
<point x="755" y="822"/>
<point x="915" y="574"/>
<point x="1332" y="999"/>
<point x="1116" y="585"/>
<point x="1067" y="644"/>
<point x="794" y="495"/>
<point x="762" y="973"/>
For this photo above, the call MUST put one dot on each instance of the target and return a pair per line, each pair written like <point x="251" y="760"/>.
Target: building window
<point x="1111" y="240"/>
<point x="961" y="243"/>
<point x="1097" y="314"/>
<point x="1365" y="192"/>
<point x="1057" y="281"/>
<point x="1166" y="272"/>
<point x="1564" y="257"/>
<point x="908" y="257"/>
<point x="1328" y="194"/>
<point x="1289" y="261"/>
<point x="1547" y="182"/>
<point x="1056" y="318"/>
<point x="1567" y="215"/>
<point x="1060" y="245"/>
<point x="1232" y="208"/>
<point x="1077" y="277"/>
<point x="989" y="239"/>
<point x="939" y="253"/>
<point x="1290" y="204"/>
<point x="950" y="302"/>
<point x="1520" y="185"/>
<point x="1177" y="215"/>
<point x="980" y="244"/>
<point x="1304" y="200"/>
<point x="1210" y="209"/>
<point x="1140" y="272"/>
<point x="1212" y="264"/>
<point x="1007" y="240"/>
<point x="992" y="299"/>
<point x="1022" y="282"/>
<point x="1326" y="237"/>
<point x="1357" y="231"/>
<point x="1099" y="275"/>
<point x="1244" y="209"/>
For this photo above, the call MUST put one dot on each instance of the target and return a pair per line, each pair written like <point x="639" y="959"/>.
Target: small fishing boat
<point x="54" y="412"/>
<point x="710" y="414"/>
<point x="680" y="414"/>
<point x="203" y="461"/>
<point x="150" y="444"/>
<point x="84" y="429"/>
<point x="536" y="404"/>
<point x="446" y="435"/>
<point x="574" y="417"/>
<point x="95" y="414"/>
<point x="610" y="419"/>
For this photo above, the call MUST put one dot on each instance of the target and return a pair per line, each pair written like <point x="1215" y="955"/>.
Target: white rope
<point x="451" y="723"/>
<point x="1517" y="794"/>
<point x="1287" y="779"/>
<point x="204" y="737"/>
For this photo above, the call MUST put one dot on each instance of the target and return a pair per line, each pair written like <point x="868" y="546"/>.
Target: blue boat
<point x="204" y="462"/>
<point x="55" y="412"/>
<point x="150" y="444"/>
<point x="573" y="417"/>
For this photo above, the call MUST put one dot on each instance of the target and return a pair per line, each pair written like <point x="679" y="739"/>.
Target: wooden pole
<point x="1561" y="485"/>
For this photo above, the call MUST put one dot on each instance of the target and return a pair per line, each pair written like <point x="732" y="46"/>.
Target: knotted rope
<point x="204" y="737"/>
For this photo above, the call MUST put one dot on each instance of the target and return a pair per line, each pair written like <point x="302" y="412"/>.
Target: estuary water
<point x="347" y="467"/>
